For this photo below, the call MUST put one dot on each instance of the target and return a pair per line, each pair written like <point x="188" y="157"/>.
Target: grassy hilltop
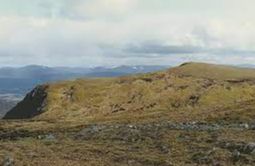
<point x="194" y="114"/>
<point x="212" y="91"/>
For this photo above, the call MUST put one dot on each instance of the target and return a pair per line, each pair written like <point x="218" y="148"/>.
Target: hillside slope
<point x="210" y="91"/>
<point x="194" y="114"/>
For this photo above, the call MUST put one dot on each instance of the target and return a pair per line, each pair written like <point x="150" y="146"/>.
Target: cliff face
<point x="196" y="89"/>
<point x="32" y="105"/>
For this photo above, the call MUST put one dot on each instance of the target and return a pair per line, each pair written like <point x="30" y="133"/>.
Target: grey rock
<point x="244" y="125"/>
<point x="236" y="155"/>
<point x="252" y="126"/>
<point x="249" y="148"/>
<point x="253" y="153"/>
<point x="131" y="162"/>
<point x="164" y="149"/>
<point x="48" y="137"/>
<point x="8" y="161"/>
<point x="216" y="163"/>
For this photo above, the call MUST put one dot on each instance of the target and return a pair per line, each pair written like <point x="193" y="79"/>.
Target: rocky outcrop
<point x="32" y="105"/>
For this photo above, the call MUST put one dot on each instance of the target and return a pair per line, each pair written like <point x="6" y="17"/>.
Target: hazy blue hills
<point x="21" y="80"/>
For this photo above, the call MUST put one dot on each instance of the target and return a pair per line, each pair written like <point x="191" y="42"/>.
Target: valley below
<point x="8" y="101"/>
<point x="194" y="114"/>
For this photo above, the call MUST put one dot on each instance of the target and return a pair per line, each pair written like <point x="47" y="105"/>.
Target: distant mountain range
<point x="21" y="80"/>
<point x="247" y="66"/>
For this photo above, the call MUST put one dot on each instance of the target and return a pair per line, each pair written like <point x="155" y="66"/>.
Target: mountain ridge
<point x="191" y="86"/>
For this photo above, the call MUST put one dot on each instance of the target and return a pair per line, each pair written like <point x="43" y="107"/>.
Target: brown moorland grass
<point x="121" y="121"/>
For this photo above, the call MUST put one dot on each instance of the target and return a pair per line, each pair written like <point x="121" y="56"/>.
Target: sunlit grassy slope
<point x="191" y="91"/>
<point x="211" y="71"/>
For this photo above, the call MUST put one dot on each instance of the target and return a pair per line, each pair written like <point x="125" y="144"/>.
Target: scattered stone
<point x="236" y="155"/>
<point x="216" y="163"/>
<point x="194" y="99"/>
<point x="135" y="132"/>
<point x="249" y="148"/>
<point x="253" y="153"/>
<point x="165" y="149"/>
<point x="131" y="162"/>
<point x="8" y="161"/>
<point x="48" y="137"/>
<point x="201" y="158"/>
<point x="252" y="126"/>
<point x="17" y="134"/>
<point x="244" y="125"/>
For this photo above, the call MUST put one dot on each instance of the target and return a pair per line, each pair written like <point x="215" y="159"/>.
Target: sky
<point x="126" y="32"/>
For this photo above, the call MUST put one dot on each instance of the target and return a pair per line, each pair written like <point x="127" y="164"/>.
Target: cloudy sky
<point x="117" y="32"/>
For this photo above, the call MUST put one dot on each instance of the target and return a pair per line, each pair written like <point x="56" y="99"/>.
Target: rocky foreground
<point x="156" y="144"/>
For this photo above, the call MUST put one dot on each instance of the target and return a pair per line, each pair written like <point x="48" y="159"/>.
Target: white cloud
<point x="85" y="32"/>
<point x="105" y="8"/>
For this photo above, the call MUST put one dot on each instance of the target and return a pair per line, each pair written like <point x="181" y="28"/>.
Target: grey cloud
<point x="163" y="49"/>
<point x="231" y="51"/>
<point x="202" y="34"/>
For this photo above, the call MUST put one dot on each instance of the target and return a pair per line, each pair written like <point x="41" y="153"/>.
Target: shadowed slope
<point x="31" y="106"/>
